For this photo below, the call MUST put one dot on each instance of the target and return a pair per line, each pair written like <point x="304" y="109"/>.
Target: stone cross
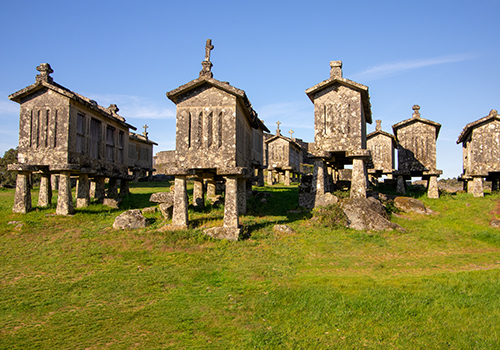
<point x="208" y="47"/>
<point x="379" y="125"/>
<point x="416" y="113"/>
<point x="145" y="133"/>
<point x="278" y="131"/>
<point x="291" y="134"/>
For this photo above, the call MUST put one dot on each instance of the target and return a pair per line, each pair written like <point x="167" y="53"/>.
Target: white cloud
<point x="8" y="107"/>
<point x="393" y="68"/>
<point x="292" y="115"/>
<point x="135" y="107"/>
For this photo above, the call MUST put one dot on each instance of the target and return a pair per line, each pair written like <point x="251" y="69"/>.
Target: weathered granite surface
<point x="219" y="137"/>
<point x="368" y="214"/>
<point x="341" y="110"/>
<point x="63" y="132"/>
<point x="130" y="220"/>
<point x="481" y="152"/>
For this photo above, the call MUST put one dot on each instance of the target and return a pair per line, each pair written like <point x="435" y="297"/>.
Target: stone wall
<point x="339" y="124"/>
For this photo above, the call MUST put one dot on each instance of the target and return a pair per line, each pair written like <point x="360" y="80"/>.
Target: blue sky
<point x="441" y="55"/>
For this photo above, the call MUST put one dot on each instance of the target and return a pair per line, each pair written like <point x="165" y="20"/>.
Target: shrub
<point x="331" y="215"/>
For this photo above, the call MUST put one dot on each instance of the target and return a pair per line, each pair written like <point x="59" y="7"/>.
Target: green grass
<point x="75" y="283"/>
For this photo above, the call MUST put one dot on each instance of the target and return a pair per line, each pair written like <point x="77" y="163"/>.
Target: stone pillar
<point x="231" y="218"/>
<point x="135" y="174"/>
<point x="286" y="178"/>
<point x="318" y="181"/>
<point x="55" y="181"/>
<point x="64" y="196"/>
<point x="92" y="189"/>
<point x="477" y="186"/>
<point x="269" y="177"/>
<point x="494" y="185"/>
<point x="180" y="216"/>
<point x="83" y="191"/>
<point x="260" y="177"/>
<point x="22" y="200"/>
<point x="112" y="187"/>
<point x="211" y="188"/>
<point x="45" y="194"/>
<point x="470" y="186"/>
<point x="99" y="192"/>
<point x="401" y="185"/>
<point x="358" y="179"/>
<point x="124" y="188"/>
<point x="432" y="187"/>
<point x="281" y="177"/>
<point x="242" y="196"/>
<point x="198" y="193"/>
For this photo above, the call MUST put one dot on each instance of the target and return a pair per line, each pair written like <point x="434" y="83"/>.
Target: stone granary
<point x="416" y="140"/>
<point x="62" y="132"/>
<point x="140" y="155"/>
<point x="282" y="157"/>
<point x="218" y="137"/>
<point x="341" y="111"/>
<point x="481" y="153"/>
<point x="381" y="145"/>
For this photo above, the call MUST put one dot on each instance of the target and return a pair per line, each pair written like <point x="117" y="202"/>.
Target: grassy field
<point x="75" y="283"/>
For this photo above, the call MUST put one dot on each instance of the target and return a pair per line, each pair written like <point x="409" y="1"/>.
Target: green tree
<point x="8" y="177"/>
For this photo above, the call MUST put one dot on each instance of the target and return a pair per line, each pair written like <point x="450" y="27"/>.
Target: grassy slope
<point x="73" y="282"/>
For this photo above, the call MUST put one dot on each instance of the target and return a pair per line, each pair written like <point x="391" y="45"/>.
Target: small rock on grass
<point x="495" y="223"/>
<point x="283" y="229"/>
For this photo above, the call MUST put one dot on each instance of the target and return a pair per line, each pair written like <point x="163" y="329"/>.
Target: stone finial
<point x="206" y="71"/>
<point x="335" y="69"/>
<point x="278" y="131"/>
<point x="493" y="112"/>
<point x="145" y="133"/>
<point x="45" y="71"/>
<point x="416" y="113"/>
<point x="291" y="134"/>
<point x="379" y="125"/>
<point x="113" y="109"/>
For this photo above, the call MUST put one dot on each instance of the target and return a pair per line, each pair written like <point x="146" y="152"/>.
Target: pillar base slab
<point x="229" y="233"/>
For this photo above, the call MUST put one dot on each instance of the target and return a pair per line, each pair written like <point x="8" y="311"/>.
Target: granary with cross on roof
<point x="140" y="155"/>
<point x="382" y="146"/>
<point x="218" y="138"/>
<point x="283" y="156"/>
<point x="62" y="132"/>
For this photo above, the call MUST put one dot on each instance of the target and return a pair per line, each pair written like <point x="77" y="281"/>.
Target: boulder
<point x="166" y="210"/>
<point x="325" y="199"/>
<point x="112" y="202"/>
<point x="217" y="201"/>
<point x="408" y="204"/>
<point x="162" y="197"/>
<point x="283" y="229"/>
<point x="149" y="210"/>
<point x="368" y="214"/>
<point x="129" y="220"/>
